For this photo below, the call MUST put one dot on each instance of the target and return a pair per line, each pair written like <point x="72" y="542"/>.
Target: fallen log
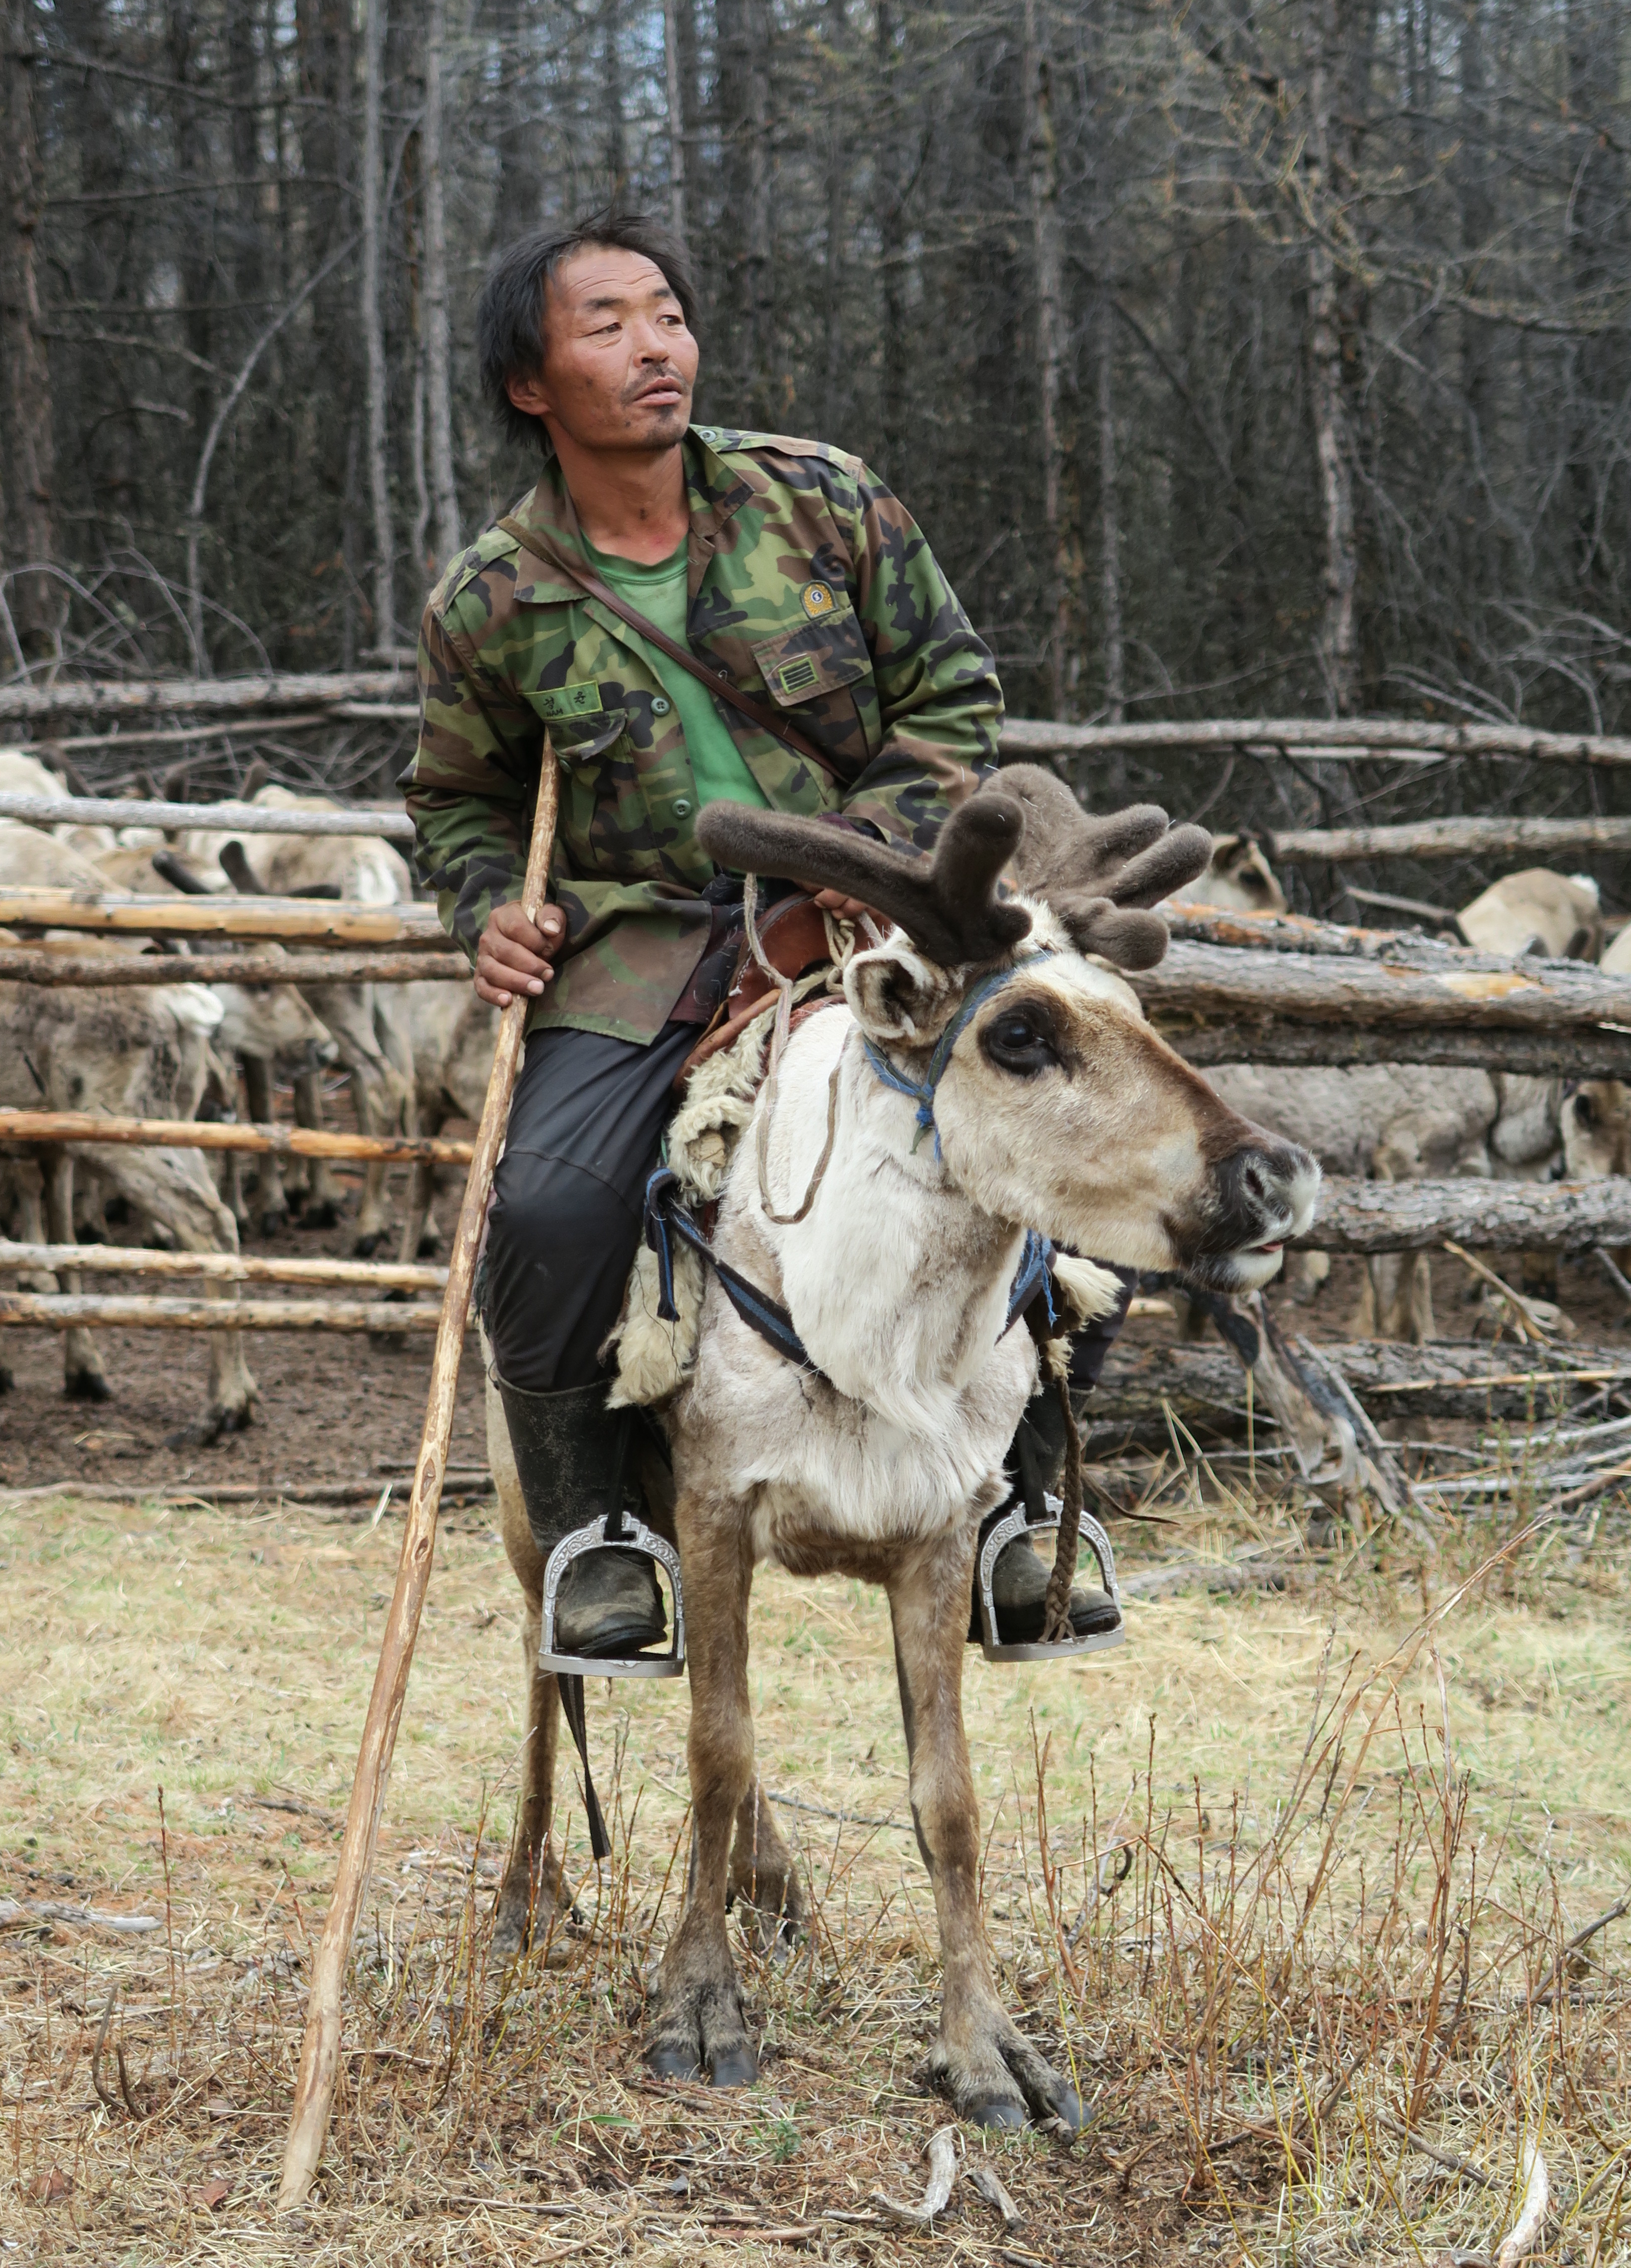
<point x="348" y="921"/>
<point x="1452" y="838"/>
<point x="220" y="695"/>
<point x="1204" y="1387"/>
<point x="67" y="1311"/>
<point x="1203" y="981"/>
<point x="1357" y="1216"/>
<point x="231" y="818"/>
<point x="1348" y="738"/>
<point x="225" y="1267"/>
<point x="379" y="965"/>
<point x="199" y="1134"/>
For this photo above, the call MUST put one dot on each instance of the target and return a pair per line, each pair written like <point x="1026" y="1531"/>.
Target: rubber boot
<point x="569" y="1454"/>
<point x="1019" y="1582"/>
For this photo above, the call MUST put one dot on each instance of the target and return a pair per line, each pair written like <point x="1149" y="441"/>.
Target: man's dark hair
<point x="509" y="317"/>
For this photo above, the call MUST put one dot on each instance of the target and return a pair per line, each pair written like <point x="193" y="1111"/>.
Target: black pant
<point x="585" y="1126"/>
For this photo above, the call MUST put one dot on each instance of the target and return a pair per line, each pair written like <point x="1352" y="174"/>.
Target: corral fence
<point x="1234" y="988"/>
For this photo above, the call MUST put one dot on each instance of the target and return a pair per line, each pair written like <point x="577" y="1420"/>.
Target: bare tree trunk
<point x="673" y="84"/>
<point x="1109" y="526"/>
<point x="37" y="603"/>
<point x="1333" y="442"/>
<point x="1042" y="158"/>
<point x="437" y="334"/>
<point x="611" y="86"/>
<point x="888" y="166"/>
<point x="760" y="270"/>
<point x="373" y="328"/>
<point x="834" y="389"/>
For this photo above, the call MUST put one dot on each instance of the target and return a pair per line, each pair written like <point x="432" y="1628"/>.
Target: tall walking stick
<point x="320" y="2051"/>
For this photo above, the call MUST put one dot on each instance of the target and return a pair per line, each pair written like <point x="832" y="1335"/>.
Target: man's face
<point x="619" y="363"/>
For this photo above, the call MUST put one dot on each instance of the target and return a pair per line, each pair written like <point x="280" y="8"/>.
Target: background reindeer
<point x="1053" y="1108"/>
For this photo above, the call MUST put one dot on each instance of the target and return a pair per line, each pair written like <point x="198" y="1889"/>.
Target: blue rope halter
<point x="923" y="1095"/>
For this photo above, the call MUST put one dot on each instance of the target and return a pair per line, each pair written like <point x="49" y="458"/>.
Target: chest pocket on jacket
<point x="814" y="658"/>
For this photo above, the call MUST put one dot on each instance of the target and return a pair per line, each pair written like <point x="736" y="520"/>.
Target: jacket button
<point x="660" y="707"/>
<point x="681" y="806"/>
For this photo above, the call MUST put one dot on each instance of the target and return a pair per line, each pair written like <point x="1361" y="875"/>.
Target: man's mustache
<point x="652" y="381"/>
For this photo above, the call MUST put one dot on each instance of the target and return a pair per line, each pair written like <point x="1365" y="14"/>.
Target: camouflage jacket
<point x="809" y="583"/>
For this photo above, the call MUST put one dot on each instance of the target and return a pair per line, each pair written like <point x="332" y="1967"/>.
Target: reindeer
<point x="986" y="1074"/>
<point x="1053" y="1108"/>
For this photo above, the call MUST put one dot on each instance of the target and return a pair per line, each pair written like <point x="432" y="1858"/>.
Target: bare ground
<point x="1357" y="1824"/>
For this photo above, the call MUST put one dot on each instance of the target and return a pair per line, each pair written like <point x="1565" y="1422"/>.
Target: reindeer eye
<point x="1019" y="1042"/>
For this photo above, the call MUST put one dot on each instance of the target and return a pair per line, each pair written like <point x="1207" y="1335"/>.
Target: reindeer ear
<point x="894" y="995"/>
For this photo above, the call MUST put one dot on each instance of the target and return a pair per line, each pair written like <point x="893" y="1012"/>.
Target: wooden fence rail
<point x="379" y="965"/>
<point x="70" y="1311"/>
<point x="223" y="1267"/>
<point x="1346" y="738"/>
<point x="227" y="818"/>
<point x="1485" y="1216"/>
<point x="292" y="921"/>
<point x="1536" y="839"/>
<point x="88" y="1126"/>
<point x="393" y="692"/>
<point x="204" y="695"/>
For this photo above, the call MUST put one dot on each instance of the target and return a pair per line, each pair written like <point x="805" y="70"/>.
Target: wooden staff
<point x="226" y="1134"/>
<point x="320" y="2051"/>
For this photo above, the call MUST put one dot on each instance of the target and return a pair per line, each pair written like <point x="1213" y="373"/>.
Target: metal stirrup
<point x="618" y="1530"/>
<point x="1003" y="1531"/>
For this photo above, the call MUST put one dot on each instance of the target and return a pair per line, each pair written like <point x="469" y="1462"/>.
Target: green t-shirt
<point x="659" y="593"/>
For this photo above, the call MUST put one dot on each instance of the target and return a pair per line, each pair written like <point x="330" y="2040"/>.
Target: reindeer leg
<point x="983" y="2062"/>
<point x="764" y="1883"/>
<point x="84" y="1379"/>
<point x="698" y="2024"/>
<point x="535" y="1905"/>
<point x="321" y="1209"/>
<point x="271" y="1204"/>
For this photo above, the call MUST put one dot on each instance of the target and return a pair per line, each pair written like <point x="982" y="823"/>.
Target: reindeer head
<point x="1050" y="1102"/>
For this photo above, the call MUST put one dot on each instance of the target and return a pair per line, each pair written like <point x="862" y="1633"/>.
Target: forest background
<point x="1237" y="359"/>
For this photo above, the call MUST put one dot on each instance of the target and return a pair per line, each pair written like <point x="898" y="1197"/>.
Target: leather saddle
<point x="793" y="935"/>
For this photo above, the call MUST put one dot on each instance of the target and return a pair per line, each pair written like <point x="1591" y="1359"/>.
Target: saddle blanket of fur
<point x="655" y="1359"/>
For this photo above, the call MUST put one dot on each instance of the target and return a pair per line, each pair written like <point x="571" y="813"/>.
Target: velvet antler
<point x="1099" y="874"/>
<point x="947" y="905"/>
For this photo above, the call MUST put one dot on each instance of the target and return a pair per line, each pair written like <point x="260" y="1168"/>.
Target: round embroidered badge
<point x="817" y="600"/>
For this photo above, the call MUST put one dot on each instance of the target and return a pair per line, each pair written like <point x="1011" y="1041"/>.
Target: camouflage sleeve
<point x="472" y="782"/>
<point x="941" y="704"/>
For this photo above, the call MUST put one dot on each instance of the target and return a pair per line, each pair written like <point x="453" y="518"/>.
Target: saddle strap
<point x="572" y="1709"/>
<point x="666" y="1216"/>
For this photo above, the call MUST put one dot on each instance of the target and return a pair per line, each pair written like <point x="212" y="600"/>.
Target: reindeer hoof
<point x="320" y="1216"/>
<point x="365" y="1247"/>
<point x="733" y="2067"/>
<point x="668" y="2060"/>
<point x="273" y="1223"/>
<point x="87" y="1385"/>
<point x="997" y="2110"/>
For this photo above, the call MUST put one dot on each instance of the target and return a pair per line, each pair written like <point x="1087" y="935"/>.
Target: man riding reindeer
<point x="691" y="615"/>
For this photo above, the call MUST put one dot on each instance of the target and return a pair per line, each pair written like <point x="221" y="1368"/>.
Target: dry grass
<point x="1285" y="1879"/>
